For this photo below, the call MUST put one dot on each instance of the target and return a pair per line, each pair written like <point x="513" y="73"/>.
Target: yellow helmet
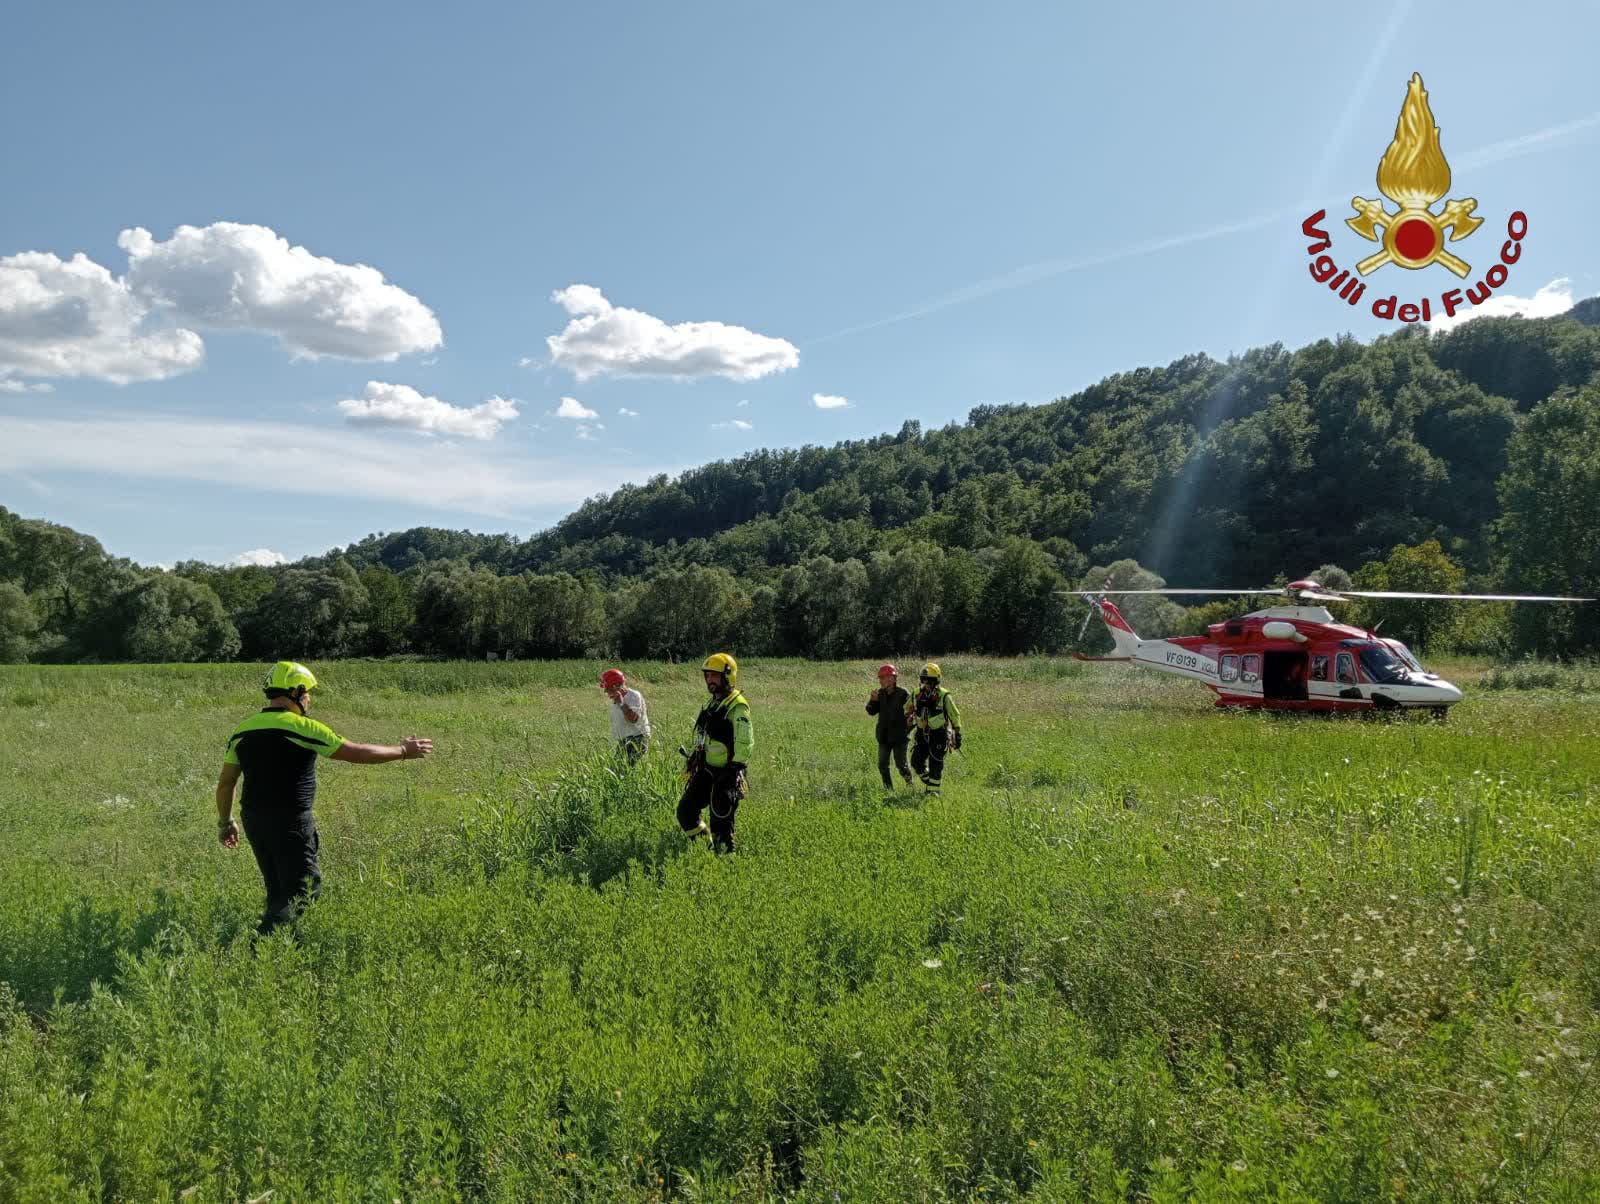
<point x="286" y="675"/>
<point x="721" y="662"/>
<point x="932" y="672"/>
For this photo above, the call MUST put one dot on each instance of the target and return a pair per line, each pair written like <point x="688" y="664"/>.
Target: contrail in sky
<point x="1483" y="156"/>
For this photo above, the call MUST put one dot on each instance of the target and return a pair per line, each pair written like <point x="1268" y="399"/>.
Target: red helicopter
<point x="1295" y="657"/>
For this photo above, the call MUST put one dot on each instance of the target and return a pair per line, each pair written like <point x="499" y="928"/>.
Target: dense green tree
<point x="1422" y="623"/>
<point x="1022" y="609"/>
<point x="550" y="615"/>
<point x="681" y="615"/>
<point x="310" y="613"/>
<point x="18" y="622"/>
<point x="388" y="617"/>
<point x="904" y="600"/>
<point x="456" y="611"/>
<point x="165" y="618"/>
<point x="963" y="580"/>
<point x="1549" y="530"/>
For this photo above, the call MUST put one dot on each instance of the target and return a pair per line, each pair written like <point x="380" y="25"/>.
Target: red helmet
<point x="888" y="671"/>
<point x="611" y="679"/>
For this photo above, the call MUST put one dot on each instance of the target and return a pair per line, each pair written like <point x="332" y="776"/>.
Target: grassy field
<point x="1138" y="950"/>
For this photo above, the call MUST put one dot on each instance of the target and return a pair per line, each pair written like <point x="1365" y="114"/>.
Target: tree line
<point x="1468" y="458"/>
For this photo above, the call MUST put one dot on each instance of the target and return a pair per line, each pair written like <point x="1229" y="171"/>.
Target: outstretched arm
<point x="412" y="748"/>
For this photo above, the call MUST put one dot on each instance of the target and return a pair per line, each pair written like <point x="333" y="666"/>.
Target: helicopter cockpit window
<point x="1346" y="669"/>
<point x="1382" y="665"/>
<point x="1250" y="667"/>
<point x="1319" y="667"/>
<point x="1404" y="653"/>
<point x="1230" y="667"/>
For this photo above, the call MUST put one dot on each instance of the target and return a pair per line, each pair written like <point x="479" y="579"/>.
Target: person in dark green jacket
<point x="938" y="726"/>
<point x="889" y="702"/>
<point x="723" y="743"/>
<point x="275" y="751"/>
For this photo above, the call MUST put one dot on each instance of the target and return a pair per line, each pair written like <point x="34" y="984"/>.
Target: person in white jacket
<point x="630" y="722"/>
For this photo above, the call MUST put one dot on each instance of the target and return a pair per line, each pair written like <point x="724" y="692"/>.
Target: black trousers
<point x="285" y="845"/>
<point x="896" y="748"/>
<point x="718" y="792"/>
<point x="927" y="755"/>
<point x="632" y="749"/>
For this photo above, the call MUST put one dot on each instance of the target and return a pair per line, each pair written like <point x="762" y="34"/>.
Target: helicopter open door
<point x="1283" y="676"/>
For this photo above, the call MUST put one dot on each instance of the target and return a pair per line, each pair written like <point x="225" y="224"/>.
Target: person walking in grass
<point x="938" y="726"/>
<point x="890" y="702"/>
<point x="630" y="724"/>
<point x="276" y="751"/>
<point x="723" y="743"/>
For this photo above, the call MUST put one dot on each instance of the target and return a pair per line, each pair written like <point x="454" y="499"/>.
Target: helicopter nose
<point x="1446" y="691"/>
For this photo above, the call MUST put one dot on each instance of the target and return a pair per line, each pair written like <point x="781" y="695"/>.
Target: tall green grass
<point x="1138" y="950"/>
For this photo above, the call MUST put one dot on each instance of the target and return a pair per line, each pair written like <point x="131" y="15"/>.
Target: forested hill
<point x="1204" y="471"/>
<point x="1416" y="461"/>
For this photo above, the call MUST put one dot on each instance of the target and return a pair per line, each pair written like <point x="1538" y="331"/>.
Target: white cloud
<point x="1551" y="301"/>
<point x="527" y="361"/>
<point x="738" y="424"/>
<point x="587" y="431"/>
<point x="459" y="477"/>
<point x="231" y="276"/>
<point x="745" y="402"/>
<point x="571" y="407"/>
<point x="262" y="557"/>
<point x="627" y="413"/>
<point x="403" y="406"/>
<point x="826" y="401"/>
<point x="8" y="385"/>
<point x="604" y="339"/>
<point x="71" y="317"/>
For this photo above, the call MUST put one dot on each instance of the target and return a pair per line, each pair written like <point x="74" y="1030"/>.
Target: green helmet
<point x="286" y="675"/>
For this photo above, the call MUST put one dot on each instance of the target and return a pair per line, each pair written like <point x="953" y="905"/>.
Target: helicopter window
<point x="1405" y="655"/>
<point x="1382" y="665"/>
<point x="1230" y="667"/>
<point x="1347" y="669"/>
<point x="1319" y="667"/>
<point x="1250" y="669"/>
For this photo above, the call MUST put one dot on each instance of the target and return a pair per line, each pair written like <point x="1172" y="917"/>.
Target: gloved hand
<point x="955" y="739"/>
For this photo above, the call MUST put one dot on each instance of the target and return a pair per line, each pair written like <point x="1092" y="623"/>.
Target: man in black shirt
<point x="276" y="751"/>
<point x="890" y="702"/>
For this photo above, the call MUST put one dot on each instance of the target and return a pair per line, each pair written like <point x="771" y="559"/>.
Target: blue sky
<point x="914" y="208"/>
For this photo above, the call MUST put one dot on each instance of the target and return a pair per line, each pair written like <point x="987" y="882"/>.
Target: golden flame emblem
<point x="1414" y="174"/>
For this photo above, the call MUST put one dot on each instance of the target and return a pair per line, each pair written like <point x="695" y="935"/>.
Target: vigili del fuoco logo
<point x="1414" y="175"/>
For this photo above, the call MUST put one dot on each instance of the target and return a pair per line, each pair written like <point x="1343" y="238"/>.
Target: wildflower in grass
<point x="933" y="963"/>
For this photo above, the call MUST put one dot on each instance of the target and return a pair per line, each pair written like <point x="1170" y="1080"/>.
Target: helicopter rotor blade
<point x="1381" y="593"/>
<point x="1225" y="593"/>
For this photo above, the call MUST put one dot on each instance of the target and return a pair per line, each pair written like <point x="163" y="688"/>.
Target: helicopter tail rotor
<point x="1122" y="635"/>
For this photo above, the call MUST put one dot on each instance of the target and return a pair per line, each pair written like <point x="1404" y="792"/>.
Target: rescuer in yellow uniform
<point x="932" y="712"/>
<point x="723" y="744"/>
